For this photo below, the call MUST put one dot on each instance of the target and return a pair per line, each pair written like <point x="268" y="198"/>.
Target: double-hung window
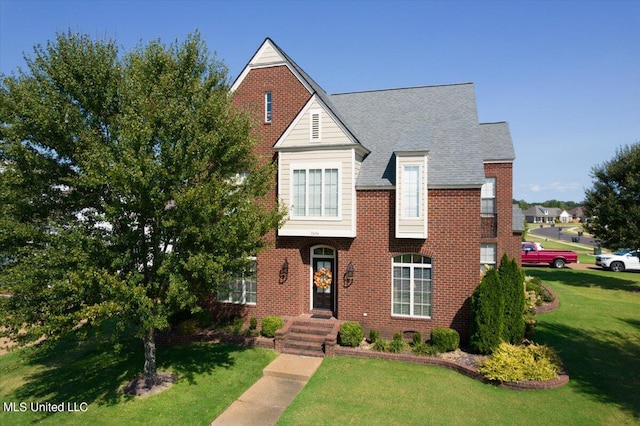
<point x="412" y="293"/>
<point x="315" y="192"/>
<point x="488" y="256"/>
<point x="241" y="289"/>
<point x="488" y="197"/>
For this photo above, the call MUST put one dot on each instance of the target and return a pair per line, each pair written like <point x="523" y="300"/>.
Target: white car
<point x="620" y="261"/>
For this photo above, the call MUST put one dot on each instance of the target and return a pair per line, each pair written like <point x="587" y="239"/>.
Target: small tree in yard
<point x="127" y="188"/>
<point x="487" y="307"/>
<point x="513" y="326"/>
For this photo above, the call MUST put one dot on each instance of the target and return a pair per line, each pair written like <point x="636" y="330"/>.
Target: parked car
<point x="622" y="260"/>
<point x="532" y="254"/>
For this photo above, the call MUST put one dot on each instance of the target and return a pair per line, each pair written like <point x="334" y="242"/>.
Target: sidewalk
<point x="264" y="402"/>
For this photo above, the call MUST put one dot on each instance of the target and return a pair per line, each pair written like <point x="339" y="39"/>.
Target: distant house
<point x="541" y="214"/>
<point x="577" y="214"/>
<point x="396" y="199"/>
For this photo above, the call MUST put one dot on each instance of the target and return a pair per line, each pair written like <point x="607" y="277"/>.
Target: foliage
<point x="120" y="194"/>
<point x="397" y="345"/>
<point x="187" y="327"/>
<point x="517" y="363"/>
<point x="270" y="324"/>
<point x="373" y="335"/>
<point x="487" y="307"/>
<point x="513" y="322"/>
<point x="253" y="323"/>
<point x="445" y="339"/>
<point x="424" y="348"/>
<point x="613" y="203"/>
<point x="542" y="295"/>
<point x="381" y="345"/>
<point x="351" y="334"/>
<point x="416" y="338"/>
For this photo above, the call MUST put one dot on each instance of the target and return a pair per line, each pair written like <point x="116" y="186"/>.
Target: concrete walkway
<point x="264" y="402"/>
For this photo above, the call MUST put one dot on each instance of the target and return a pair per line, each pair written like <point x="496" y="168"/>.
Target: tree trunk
<point x="150" y="374"/>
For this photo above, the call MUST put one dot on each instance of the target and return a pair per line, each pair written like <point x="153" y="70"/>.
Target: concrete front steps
<point x="308" y="336"/>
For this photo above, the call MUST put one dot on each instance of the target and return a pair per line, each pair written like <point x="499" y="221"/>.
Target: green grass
<point x="596" y="331"/>
<point x="211" y="377"/>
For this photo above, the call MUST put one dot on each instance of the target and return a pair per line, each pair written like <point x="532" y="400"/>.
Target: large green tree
<point x="613" y="203"/>
<point x="127" y="188"/>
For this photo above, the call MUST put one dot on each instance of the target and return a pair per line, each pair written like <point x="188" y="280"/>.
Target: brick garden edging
<point x="563" y="378"/>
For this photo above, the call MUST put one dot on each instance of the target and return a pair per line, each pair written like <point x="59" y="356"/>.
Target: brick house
<point x="400" y="194"/>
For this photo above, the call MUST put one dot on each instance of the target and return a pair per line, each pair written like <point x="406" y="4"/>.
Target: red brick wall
<point x="506" y="241"/>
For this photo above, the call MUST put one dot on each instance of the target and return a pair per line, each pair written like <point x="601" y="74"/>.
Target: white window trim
<point x="419" y="194"/>
<point x="411" y="294"/>
<point x="491" y="263"/>
<point x="315" y="166"/>
<point x="267" y="104"/>
<point x="313" y="112"/>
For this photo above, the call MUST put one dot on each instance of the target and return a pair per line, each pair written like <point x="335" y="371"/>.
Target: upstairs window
<point x="488" y="197"/>
<point x="411" y="191"/>
<point x="267" y="107"/>
<point x="315" y="192"/>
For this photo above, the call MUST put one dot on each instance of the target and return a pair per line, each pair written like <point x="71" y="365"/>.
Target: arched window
<point x="411" y="293"/>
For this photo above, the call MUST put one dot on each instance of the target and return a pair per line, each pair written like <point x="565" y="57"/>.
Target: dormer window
<point x="267" y="107"/>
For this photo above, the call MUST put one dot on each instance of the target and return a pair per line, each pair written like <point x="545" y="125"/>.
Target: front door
<point x="323" y="278"/>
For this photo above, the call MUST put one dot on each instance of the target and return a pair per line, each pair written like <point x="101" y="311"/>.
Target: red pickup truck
<point x="531" y="254"/>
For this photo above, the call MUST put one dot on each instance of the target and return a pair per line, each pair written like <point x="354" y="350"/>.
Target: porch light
<point x="348" y="275"/>
<point x="284" y="271"/>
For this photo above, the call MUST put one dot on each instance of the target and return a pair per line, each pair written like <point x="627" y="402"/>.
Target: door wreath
<point x="322" y="278"/>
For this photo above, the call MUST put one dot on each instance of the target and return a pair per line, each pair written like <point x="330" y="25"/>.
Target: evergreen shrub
<point x="445" y="339"/>
<point x="517" y="363"/>
<point x="486" y="314"/>
<point x="270" y="325"/>
<point x="351" y="334"/>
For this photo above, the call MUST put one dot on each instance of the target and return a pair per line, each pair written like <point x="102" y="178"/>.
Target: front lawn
<point x="596" y="331"/>
<point x="211" y="377"/>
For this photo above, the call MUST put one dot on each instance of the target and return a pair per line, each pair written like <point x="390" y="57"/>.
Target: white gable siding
<point x="410" y="227"/>
<point x="300" y="132"/>
<point x="266" y="55"/>
<point x="344" y="225"/>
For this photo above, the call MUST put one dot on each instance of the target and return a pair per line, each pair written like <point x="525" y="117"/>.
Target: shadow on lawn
<point x="587" y="279"/>
<point x="94" y="371"/>
<point x="602" y="364"/>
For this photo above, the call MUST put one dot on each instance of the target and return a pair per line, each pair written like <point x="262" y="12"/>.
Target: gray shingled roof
<point x="439" y="119"/>
<point x="496" y="142"/>
<point x="517" y="218"/>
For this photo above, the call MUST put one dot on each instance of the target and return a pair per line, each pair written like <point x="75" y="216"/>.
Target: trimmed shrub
<point x="534" y="284"/>
<point x="270" y="325"/>
<point x="351" y="334"/>
<point x="486" y="314"/>
<point x="511" y="363"/>
<point x="397" y="346"/>
<point x="513" y="324"/>
<point x="417" y="338"/>
<point x="253" y="323"/>
<point x="445" y="339"/>
<point x="236" y="326"/>
<point x="373" y="335"/>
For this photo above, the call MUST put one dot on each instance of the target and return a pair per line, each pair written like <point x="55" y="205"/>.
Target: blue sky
<point x="564" y="74"/>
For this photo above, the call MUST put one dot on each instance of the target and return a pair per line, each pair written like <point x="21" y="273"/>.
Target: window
<point x="241" y="289"/>
<point x="315" y="125"/>
<point x="412" y="286"/>
<point x="488" y="197"/>
<point x="267" y="107"/>
<point x="411" y="191"/>
<point x="487" y="256"/>
<point x="315" y="192"/>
